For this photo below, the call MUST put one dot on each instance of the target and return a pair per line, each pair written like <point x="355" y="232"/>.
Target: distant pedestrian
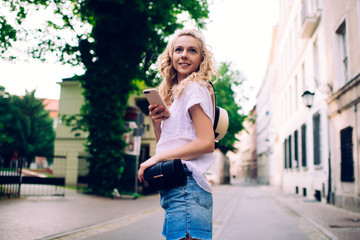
<point x="186" y="67"/>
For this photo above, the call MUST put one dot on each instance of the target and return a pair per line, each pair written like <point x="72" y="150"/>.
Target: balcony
<point x="310" y="17"/>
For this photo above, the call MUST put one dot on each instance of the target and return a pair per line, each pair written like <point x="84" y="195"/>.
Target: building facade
<point x="266" y="129"/>
<point x="69" y="146"/>
<point x="247" y="148"/>
<point x="316" y="54"/>
<point x="301" y="139"/>
<point x="342" y="29"/>
<point x="69" y="149"/>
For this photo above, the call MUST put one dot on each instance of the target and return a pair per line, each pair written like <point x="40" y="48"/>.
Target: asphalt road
<point x="240" y="212"/>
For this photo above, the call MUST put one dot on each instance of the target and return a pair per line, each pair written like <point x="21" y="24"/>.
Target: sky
<point x="239" y="31"/>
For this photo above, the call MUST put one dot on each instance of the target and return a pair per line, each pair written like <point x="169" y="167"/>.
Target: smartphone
<point x="153" y="97"/>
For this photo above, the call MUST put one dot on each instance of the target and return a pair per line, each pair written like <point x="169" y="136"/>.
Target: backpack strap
<point x="216" y="113"/>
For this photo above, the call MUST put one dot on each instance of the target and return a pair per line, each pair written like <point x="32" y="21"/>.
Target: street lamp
<point x="308" y="98"/>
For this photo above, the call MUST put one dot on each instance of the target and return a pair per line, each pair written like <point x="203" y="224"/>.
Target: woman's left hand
<point x="145" y="165"/>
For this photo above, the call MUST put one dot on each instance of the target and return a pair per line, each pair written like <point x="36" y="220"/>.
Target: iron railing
<point x="15" y="181"/>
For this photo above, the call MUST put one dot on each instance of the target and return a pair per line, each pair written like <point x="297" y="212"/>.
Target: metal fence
<point x="15" y="181"/>
<point x="10" y="177"/>
<point x="82" y="177"/>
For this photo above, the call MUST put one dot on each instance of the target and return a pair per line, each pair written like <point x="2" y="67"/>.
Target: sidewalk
<point x="39" y="217"/>
<point x="48" y="217"/>
<point x="334" y="222"/>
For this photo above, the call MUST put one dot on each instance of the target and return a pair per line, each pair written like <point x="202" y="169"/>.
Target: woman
<point x="186" y="68"/>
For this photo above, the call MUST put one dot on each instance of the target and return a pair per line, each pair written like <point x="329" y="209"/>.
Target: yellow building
<point x="69" y="146"/>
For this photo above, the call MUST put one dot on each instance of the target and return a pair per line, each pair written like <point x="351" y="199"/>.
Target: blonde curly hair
<point x="169" y="87"/>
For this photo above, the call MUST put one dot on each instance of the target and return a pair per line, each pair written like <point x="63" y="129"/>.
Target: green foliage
<point x="123" y="44"/>
<point x="6" y="117"/>
<point x="226" y="98"/>
<point x="25" y="126"/>
<point x="128" y="37"/>
<point x="7" y="35"/>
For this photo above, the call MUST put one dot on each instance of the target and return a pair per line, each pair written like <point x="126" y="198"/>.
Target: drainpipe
<point x="329" y="180"/>
<point x="357" y="142"/>
<point x="328" y="198"/>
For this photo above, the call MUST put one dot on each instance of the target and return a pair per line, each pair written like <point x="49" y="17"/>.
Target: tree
<point x="6" y="116"/>
<point x="27" y="127"/>
<point x="226" y="98"/>
<point x="125" y="39"/>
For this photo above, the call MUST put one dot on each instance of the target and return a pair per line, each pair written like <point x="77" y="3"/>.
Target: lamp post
<point x="308" y="98"/>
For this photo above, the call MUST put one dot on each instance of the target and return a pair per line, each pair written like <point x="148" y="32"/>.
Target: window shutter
<point x="285" y="154"/>
<point x="317" y="149"/>
<point x="347" y="161"/>
<point x="296" y="150"/>
<point x="290" y="152"/>
<point x="303" y="145"/>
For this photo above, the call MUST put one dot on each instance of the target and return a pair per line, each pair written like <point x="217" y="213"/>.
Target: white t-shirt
<point x="178" y="129"/>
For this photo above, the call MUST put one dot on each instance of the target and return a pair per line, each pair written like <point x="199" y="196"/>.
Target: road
<point x="240" y="212"/>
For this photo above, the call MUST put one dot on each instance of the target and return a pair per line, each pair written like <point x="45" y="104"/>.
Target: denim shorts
<point x="188" y="211"/>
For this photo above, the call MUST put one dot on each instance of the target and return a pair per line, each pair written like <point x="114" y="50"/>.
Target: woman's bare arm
<point x="204" y="143"/>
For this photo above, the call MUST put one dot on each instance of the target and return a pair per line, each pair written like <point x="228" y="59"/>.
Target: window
<point x="296" y="150"/>
<point x="304" y="12"/>
<point x="297" y="29"/>
<point x="290" y="152"/>
<point x="317" y="138"/>
<point x="285" y="154"/>
<point x="290" y="101"/>
<point x="143" y="104"/>
<point x="316" y="63"/>
<point x="291" y="46"/>
<point x="343" y="60"/>
<point x="282" y="110"/>
<point x="296" y="94"/>
<point x="303" y="146"/>
<point x="347" y="160"/>
<point x="303" y="72"/>
<point x="358" y="10"/>
<point x="286" y="106"/>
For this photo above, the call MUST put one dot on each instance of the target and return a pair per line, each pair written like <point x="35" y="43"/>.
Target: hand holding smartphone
<point x="153" y="97"/>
